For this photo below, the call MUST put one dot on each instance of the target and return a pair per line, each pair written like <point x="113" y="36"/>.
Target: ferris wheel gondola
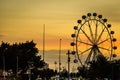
<point x="93" y="36"/>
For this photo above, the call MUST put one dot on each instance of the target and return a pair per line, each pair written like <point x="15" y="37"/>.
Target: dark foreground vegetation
<point x="21" y="60"/>
<point x="101" y="69"/>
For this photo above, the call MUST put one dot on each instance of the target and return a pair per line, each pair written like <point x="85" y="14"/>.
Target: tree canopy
<point x="19" y="54"/>
<point x="102" y="68"/>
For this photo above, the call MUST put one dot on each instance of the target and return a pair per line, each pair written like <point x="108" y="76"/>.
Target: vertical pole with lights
<point x="68" y="65"/>
<point x="59" y="57"/>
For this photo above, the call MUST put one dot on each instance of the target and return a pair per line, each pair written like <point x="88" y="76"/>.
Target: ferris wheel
<point x="93" y="36"/>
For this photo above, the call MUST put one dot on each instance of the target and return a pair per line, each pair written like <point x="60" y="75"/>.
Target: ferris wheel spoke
<point x="93" y="36"/>
<point x="96" y="30"/>
<point x="104" y="48"/>
<point x="100" y="35"/>
<point x="91" y="31"/>
<point x="103" y="41"/>
<point x="88" y="57"/>
<point x="82" y="52"/>
<point x="86" y="36"/>
<point x="84" y="43"/>
<point x="94" y="55"/>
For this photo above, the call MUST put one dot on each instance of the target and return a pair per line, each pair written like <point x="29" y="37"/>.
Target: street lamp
<point x="55" y="65"/>
<point x="68" y="64"/>
<point x="59" y="57"/>
<point x="69" y="53"/>
<point x="30" y="65"/>
<point x="4" y="73"/>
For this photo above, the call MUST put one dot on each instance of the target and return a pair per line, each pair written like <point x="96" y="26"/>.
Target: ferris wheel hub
<point x="95" y="45"/>
<point x="93" y="37"/>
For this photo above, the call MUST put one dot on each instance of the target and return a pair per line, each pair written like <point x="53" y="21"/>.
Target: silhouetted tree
<point x="21" y="54"/>
<point x="114" y="69"/>
<point x="83" y="71"/>
<point x="99" y="68"/>
<point x="64" y="73"/>
<point x="102" y="68"/>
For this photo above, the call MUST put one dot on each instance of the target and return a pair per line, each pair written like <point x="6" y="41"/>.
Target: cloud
<point x="1" y="35"/>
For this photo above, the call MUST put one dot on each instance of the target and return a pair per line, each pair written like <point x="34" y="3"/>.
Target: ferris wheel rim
<point x="96" y="42"/>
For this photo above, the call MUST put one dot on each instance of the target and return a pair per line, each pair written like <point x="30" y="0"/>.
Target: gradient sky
<point x="22" y="20"/>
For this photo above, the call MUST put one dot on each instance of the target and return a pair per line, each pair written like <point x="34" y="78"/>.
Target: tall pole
<point x="4" y="73"/>
<point x="17" y="67"/>
<point x="55" y="65"/>
<point x="68" y="65"/>
<point x="43" y="42"/>
<point x="59" y="57"/>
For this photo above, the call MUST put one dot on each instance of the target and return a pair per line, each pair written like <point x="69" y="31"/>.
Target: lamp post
<point x="59" y="58"/>
<point x="43" y="42"/>
<point x="4" y="73"/>
<point x="30" y="65"/>
<point x="69" y="53"/>
<point x="17" y="62"/>
<point x="17" y="67"/>
<point x="68" y="65"/>
<point x="55" y="65"/>
<point x="4" y="67"/>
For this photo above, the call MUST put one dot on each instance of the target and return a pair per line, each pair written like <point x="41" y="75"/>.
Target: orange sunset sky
<point x="22" y="20"/>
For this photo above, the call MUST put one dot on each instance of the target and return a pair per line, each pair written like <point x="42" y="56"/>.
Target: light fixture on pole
<point x="59" y="57"/>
